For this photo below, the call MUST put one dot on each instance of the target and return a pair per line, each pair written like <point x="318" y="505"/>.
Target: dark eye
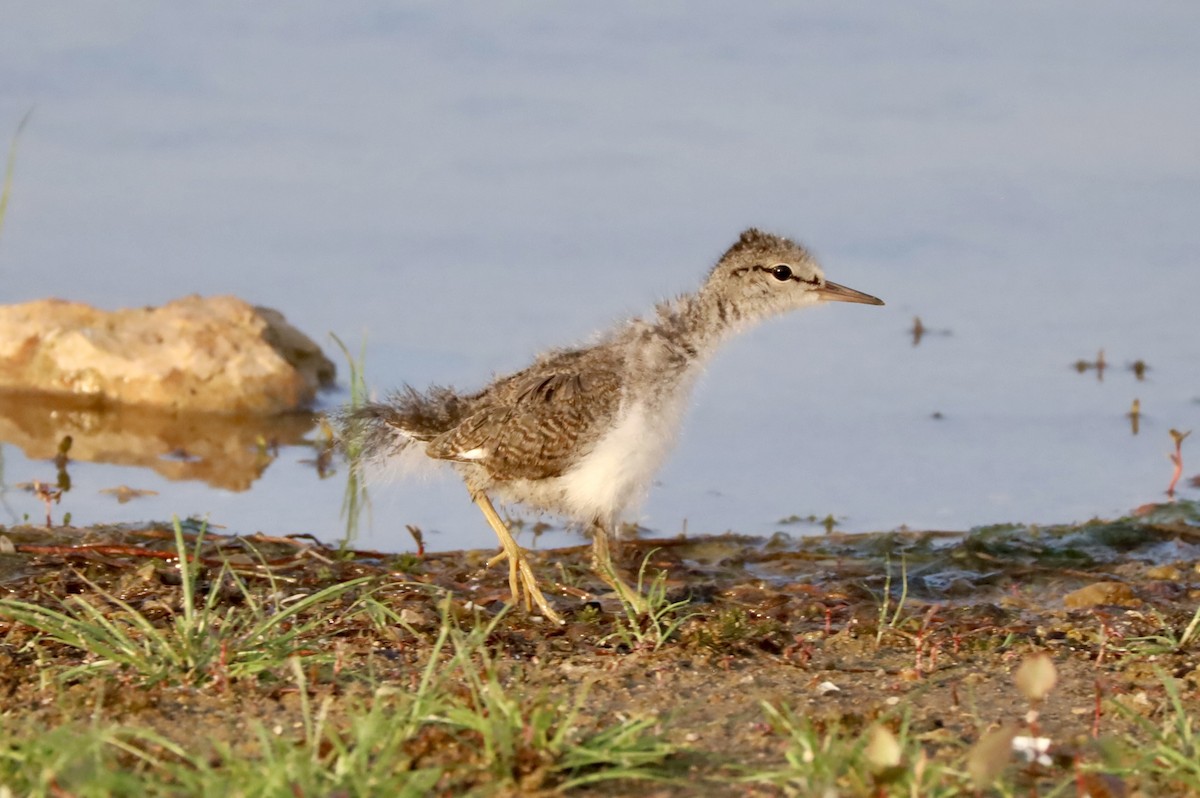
<point x="782" y="272"/>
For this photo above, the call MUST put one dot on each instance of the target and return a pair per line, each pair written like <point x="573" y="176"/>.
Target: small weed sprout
<point x="48" y="494"/>
<point x="1177" y="459"/>
<point x="418" y="538"/>
<point x="652" y="626"/>
<point x="886" y="600"/>
<point x="1135" y="416"/>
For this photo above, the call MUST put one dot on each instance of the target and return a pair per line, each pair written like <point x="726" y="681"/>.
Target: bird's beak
<point x="832" y="292"/>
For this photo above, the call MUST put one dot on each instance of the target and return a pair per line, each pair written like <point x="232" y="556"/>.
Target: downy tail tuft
<point x="378" y="430"/>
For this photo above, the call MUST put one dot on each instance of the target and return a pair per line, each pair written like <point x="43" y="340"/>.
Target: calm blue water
<point x="463" y="185"/>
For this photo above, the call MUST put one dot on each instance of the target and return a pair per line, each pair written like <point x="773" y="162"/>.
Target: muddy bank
<point x="920" y="630"/>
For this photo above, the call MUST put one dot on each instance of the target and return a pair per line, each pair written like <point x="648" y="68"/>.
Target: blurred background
<point x="455" y="187"/>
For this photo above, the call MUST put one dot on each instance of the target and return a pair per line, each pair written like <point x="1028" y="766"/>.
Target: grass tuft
<point x="650" y="626"/>
<point x="203" y="642"/>
<point x="458" y="728"/>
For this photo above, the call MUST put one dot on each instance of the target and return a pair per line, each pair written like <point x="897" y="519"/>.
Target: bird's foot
<point x="606" y="569"/>
<point x="520" y="574"/>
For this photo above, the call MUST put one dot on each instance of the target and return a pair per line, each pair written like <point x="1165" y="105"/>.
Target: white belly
<point x="616" y="475"/>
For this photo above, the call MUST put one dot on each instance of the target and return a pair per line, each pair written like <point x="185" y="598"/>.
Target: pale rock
<point x="207" y="355"/>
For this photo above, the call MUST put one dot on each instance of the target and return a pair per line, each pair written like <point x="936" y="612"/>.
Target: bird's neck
<point x="699" y="323"/>
<point x="666" y="352"/>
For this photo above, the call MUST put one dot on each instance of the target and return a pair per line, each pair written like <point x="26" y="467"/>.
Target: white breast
<point x="616" y="475"/>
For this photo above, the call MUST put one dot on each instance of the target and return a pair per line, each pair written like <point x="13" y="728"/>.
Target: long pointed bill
<point x="832" y="292"/>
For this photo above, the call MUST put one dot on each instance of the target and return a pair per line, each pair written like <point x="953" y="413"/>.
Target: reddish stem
<point x="1177" y="459"/>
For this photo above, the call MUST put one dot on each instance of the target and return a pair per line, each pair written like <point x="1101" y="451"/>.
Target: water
<point x="461" y="186"/>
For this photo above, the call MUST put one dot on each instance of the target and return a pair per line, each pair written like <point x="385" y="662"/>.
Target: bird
<point x="581" y="431"/>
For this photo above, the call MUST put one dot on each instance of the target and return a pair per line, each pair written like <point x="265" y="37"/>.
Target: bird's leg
<point x="602" y="564"/>
<point x="519" y="572"/>
<point x="509" y="549"/>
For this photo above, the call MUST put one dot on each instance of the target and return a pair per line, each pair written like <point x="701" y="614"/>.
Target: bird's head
<point x="764" y="275"/>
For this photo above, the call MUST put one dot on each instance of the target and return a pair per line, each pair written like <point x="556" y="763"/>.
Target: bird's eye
<point x="782" y="272"/>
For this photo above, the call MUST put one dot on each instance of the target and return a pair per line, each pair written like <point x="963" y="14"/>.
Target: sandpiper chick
<point x="582" y="430"/>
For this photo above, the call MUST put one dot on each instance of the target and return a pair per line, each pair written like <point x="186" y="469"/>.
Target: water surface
<point x="462" y="186"/>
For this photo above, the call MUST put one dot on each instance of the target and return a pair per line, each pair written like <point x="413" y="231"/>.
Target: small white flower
<point x="1033" y="749"/>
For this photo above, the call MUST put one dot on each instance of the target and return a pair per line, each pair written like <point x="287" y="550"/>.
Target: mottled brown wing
<point x="536" y="424"/>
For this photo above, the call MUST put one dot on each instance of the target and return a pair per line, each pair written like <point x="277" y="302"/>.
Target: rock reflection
<point x="227" y="452"/>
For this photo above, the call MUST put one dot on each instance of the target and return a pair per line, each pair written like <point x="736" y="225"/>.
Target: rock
<point x="210" y="355"/>
<point x="1165" y="572"/>
<point x="1101" y="593"/>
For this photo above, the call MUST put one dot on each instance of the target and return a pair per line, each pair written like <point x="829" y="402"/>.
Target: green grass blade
<point x="10" y="166"/>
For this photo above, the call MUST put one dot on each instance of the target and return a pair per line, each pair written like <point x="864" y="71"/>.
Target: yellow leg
<point x="603" y="565"/>
<point x="519" y="572"/>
